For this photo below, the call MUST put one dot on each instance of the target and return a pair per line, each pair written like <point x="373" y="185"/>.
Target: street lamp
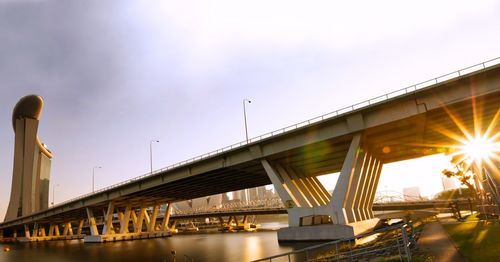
<point x="245" y="116"/>
<point x="54" y="194"/>
<point x="93" y="177"/>
<point x="151" y="153"/>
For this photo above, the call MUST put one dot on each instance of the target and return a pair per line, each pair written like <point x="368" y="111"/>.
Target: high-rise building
<point x="201" y="202"/>
<point x="412" y="193"/>
<point x="215" y="201"/>
<point x="448" y="183"/>
<point x="32" y="160"/>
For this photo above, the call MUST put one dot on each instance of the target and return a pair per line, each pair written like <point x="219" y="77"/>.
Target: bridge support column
<point x="152" y="220"/>
<point x="54" y="230"/>
<point x="315" y="215"/>
<point x="125" y="220"/>
<point x="354" y="192"/>
<point x="68" y="229"/>
<point x="173" y="227"/>
<point x="227" y="226"/>
<point x="27" y="231"/>
<point x="139" y="220"/>
<point x="42" y="232"/>
<point x="35" y="230"/>
<point x="92" y="222"/>
<point x="110" y="234"/>
<point x="80" y="227"/>
<point x="166" y="219"/>
<point x="244" y="224"/>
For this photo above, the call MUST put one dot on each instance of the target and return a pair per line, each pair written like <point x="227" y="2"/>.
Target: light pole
<point x="54" y="194"/>
<point x="245" y="116"/>
<point x="93" y="177"/>
<point x="151" y="153"/>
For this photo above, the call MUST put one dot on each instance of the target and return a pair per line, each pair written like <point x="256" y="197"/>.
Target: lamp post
<point x="93" y="177"/>
<point x="245" y="116"/>
<point x="151" y="153"/>
<point x="54" y="194"/>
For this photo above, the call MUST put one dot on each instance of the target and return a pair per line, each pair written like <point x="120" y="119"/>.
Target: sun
<point x="479" y="148"/>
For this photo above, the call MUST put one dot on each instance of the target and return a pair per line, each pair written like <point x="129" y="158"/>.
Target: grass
<point x="477" y="240"/>
<point x="418" y="258"/>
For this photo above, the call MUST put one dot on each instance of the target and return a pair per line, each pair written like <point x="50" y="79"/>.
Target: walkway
<point x="435" y="241"/>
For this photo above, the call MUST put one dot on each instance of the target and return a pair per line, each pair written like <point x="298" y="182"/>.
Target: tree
<point x="462" y="172"/>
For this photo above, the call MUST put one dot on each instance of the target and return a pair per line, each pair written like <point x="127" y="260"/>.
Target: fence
<point x="396" y="240"/>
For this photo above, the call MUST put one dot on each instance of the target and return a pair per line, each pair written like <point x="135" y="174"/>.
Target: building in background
<point x="32" y="160"/>
<point x="448" y="183"/>
<point x="412" y="193"/>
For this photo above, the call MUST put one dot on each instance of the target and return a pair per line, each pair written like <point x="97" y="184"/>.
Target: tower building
<point x="32" y="160"/>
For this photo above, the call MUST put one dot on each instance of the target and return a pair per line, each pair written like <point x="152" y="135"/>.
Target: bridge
<point x="236" y="216"/>
<point x="420" y="120"/>
<point x="245" y="211"/>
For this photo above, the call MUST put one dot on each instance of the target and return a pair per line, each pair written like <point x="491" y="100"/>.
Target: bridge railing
<point x="339" y="112"/>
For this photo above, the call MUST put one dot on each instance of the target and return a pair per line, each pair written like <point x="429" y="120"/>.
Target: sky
<point x="116" y="74"/>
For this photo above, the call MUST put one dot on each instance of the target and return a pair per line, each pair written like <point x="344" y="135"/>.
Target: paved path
<point x="435" y="241"/>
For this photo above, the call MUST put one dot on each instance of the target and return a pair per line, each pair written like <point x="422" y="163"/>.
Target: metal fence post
<point x="398" y="246"/>
<point x="337" y="249"/>
<point x="405" y="241"/>
<point x="350" y="251"/>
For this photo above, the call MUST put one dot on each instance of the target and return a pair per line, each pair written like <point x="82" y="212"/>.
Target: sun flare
<point x="479" y="148"/>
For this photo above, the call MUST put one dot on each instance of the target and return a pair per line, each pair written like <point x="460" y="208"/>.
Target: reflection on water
<point x="243" y="246"/>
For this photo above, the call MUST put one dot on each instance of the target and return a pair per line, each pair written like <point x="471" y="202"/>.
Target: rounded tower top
<point x="29" y="106"/>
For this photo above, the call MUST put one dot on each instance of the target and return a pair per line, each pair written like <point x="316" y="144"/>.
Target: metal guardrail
<point x="339" y="112"/>
<point x="401" y="242"/>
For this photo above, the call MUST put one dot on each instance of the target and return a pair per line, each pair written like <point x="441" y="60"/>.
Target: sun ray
<point x="459" y="124"/>
<point x="492" y="125"/>
<point x="476" y="114"/>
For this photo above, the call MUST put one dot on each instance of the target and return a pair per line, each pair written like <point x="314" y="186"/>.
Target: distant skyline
<point x="116" y="74"/>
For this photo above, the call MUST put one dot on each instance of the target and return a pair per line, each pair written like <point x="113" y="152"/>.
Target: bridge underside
<point x="429" y="133"/>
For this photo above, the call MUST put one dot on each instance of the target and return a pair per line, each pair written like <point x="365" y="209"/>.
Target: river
<point x="240" y="246"/>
